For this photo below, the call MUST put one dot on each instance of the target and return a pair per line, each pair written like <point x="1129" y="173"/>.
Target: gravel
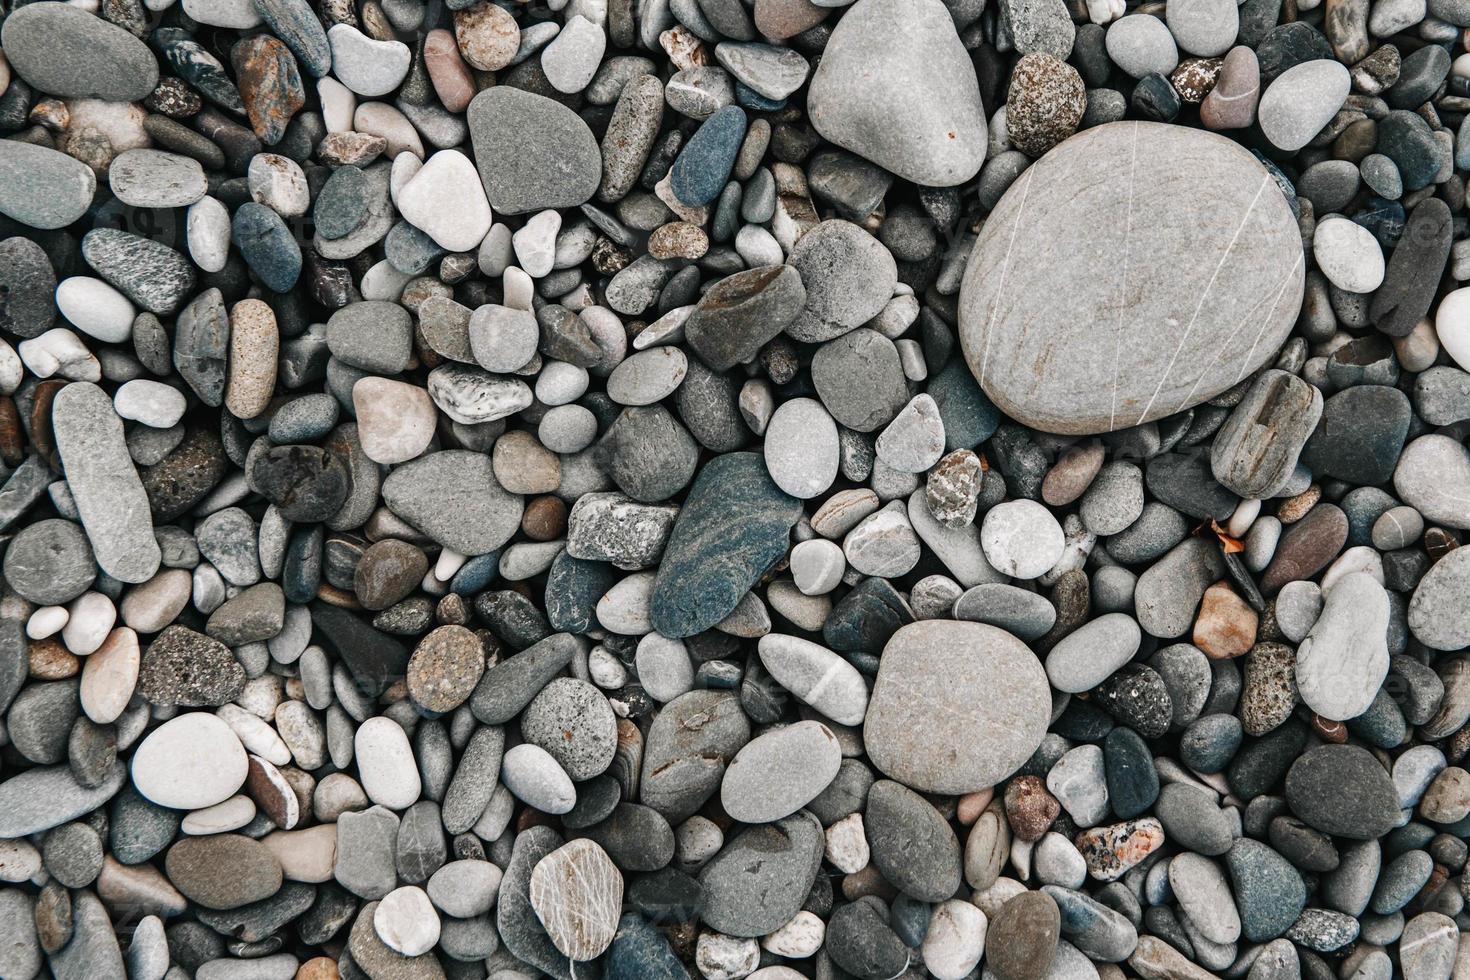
<point x="873" y="489"/>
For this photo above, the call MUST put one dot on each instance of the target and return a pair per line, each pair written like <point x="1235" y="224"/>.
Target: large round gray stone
<point x="956" y="707"/>
<point x="1133" y="272"/>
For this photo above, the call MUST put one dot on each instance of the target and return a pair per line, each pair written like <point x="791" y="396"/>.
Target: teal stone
<point x="266" y="245"/>
<point x="734" y="526"/>
<point x="1133" y="782"/>
<point x="969" y="416"/>
<point x="703" y="166"/>
<point x="295" y="23"/>
<point x="640" y="952"/>
<point x="1269" y="892"/>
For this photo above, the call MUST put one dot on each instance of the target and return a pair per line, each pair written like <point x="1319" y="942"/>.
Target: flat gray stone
<point x="40" y="187"/>
<point x="104" y="483"/>
<point x="454" y="498"/>
<point x="956" y="707"/>
<point x="45" y="797"/>
<point x="533" y="153"/>
<point x="1439" y="616"/>
<point x="66" y="51"/>
<point x="1059" y="275"/>
<point x="895" y="85"/>
<point x="1257" y="448"/>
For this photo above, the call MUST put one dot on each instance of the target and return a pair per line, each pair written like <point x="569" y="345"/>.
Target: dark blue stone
<point x="734" y="526"/>
<point x="700" y="172"/>
<point x="1209" y="743"/>
<point x="640" y="952"/>
<point x="573" y="587"/>
<point x="409" y="250"/>
<point x="266" y="245"/>
<point x="1133" y="783"/>
<point x="476" y="574"/>
<point x="754" y="101"/>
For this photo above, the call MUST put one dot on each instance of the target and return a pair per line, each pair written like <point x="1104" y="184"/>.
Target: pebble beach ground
<point x="791" y="489"/>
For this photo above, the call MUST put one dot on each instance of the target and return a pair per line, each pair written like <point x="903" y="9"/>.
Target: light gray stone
<point x="1045" y="280"/>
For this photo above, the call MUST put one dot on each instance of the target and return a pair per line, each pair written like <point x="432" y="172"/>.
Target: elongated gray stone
<point x="1256" y="450"/>
<point x="1095" y="305"/>
<point x="734" y="526"/>
<point x="41" y="187"/>
<point x="454" y="498"/>
<point x="68" y="52"/>
<point x="104" y="483"/>
<point x="49" y="796"/>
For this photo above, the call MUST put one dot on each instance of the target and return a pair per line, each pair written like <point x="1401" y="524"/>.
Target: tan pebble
<point x="395" y="420"/>
<point x="488" y="36"/>
<point x="522" y="465"/>
<point x="1069" y="479"/>
<point x="969" y="807"/>
<point x="50" y="661"/>
<point x="678" y="240"/>
<point x="1226" y="626"/>
<point x="780" y="19"/>
<point x="110" y="675"/>
<point x="254" y="346"/>
<point x="318" y="968"/>
<point x="1295" y="508"/>
<point x="151" y="606"/>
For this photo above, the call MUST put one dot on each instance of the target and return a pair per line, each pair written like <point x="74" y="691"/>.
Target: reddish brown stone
<point x="545" y="518"/>
<point x="1226" y="626"/>
<point x="452" y="80"/>
<point x="1030" y="809"/>
<point x="12" y="435"/>
<point x="270" y="85"/>
<point x="1307" y="547"/>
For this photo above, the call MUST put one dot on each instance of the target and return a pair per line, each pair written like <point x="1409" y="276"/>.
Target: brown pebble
<point x="265" y="784"/>
<point x="1030" y="809"/>
<point x="389" y="570"/>
<point x="1069" y="479"/>
<point x="969" y="807"/>
<point x="1293" y="509"/>
<point x="444" y="669"/>
<point x="780" y="19"/>
<point x="269" y="83"/>
<point x="1439" y="542"/>
<point x="1330" y="731"/>
<point x="1307" y="547"/>
<point x="43" y="439"/>
<point x="318" y="968"/>
<point x="50" y="661"/>
<point x="452" y="610"/>
<point x="452" y="80"/>
<point x="1195" y="78"/>
<point x="545" y="518"/>
<point x="350" y="149"/>
<point x="53" y="916"/>
<point x="1226" y="626"/>
<point x="678" y="240"/>
<point x="12" y="436"/>
<point x="522" y="465"/>
<point x="868" y="881"/>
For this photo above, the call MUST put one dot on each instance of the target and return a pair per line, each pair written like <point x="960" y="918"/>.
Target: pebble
<point x="192" y="761"/>
<point x="923" y="696"/>
<point x="1300" y="101"/>
<point x="778" y="773"/>
<point x="446" y="201"/>
<point x="1079" y="396"/>
<point x="1021" y="539"/>
<point x="930" y="130"/>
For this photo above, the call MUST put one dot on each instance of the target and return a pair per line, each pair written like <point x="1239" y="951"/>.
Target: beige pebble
<point x="395" y="421"/>
<point x="488" y="36"/>
<point x="149" y="607"/>
<point x="109" y="676"/>
<point x="254" y="345"/>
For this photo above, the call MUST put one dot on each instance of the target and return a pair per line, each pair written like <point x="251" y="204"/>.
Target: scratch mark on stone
<point x="1184" y="338"/>
<point x="1274" y="303"/>
<point x="1005" y="268"/>
<point x="1123" y="288"/>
